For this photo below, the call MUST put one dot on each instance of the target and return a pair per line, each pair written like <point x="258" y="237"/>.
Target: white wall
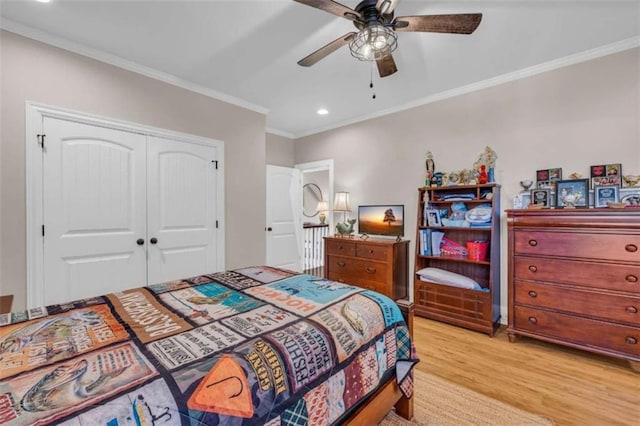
<point x="279" y="150"/>
<point x="41" y="73"/>
<point x="571" y="118"/>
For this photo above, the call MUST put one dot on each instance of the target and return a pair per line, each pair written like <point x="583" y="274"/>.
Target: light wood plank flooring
<point x="571" y="387"/>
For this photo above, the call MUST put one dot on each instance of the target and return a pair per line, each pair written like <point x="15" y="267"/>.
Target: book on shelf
<point x="425" y="242"/>
<point x="436" y="240"/>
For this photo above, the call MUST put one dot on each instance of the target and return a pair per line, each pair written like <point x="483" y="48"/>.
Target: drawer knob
<point x="631" y="340"/>
<point x="632" y="309"/>
<point x="533" y="243"/>
<point x="533" y="320"/>
<point x="341" y="264"/>
<point x="371" y="270"/>
<point x="631" y="279"/>
<point x="631" y="248"/>
<point x="533" y="268"/>
<point x="370" y="251"/>
<point x="533" y="293"/>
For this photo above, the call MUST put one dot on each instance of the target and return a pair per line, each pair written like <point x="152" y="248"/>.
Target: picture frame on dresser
<point x="541" y="196"/>
<point x="603" y="194"/>
<point x="577" y="188"/>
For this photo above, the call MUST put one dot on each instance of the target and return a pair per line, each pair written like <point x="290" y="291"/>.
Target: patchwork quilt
<point x="256" y="345"/>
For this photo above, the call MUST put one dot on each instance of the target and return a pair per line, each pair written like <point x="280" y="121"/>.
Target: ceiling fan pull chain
<point x="371" y="81"/>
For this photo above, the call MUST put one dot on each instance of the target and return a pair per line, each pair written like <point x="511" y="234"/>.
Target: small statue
<point x="344" y="229"/>
<point x="483" y="177"/>
<point x="487" y="158"/>
<point x="431" y="168"/>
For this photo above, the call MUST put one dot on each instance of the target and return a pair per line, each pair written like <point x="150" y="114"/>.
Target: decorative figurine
<point x="483" y="177"/>
<point x="487" y="158"/>
<point x="526" y="184"/>
<point x="345" y="230"/>
<point x="431" y="168"/>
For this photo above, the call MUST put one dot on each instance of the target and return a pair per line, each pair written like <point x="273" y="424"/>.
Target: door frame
<point x="319" y="166"/>
<point x="35" y="114"/>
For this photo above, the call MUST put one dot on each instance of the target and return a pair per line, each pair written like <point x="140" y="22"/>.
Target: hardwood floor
<point x="569" y="386"/>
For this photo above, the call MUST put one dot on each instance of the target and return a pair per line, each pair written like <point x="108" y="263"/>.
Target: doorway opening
<point x="317" y="196"/>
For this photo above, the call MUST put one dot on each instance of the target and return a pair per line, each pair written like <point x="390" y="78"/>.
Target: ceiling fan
<point x="376" y="37"/>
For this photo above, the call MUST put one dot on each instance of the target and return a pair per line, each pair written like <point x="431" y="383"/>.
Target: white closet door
<point x="181" y="198"/>
<point x="94" y="210"/>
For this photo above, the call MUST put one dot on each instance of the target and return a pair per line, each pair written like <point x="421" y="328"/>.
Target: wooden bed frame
<point x="389" y="395"/>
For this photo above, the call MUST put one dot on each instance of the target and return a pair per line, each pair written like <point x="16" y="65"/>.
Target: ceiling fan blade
<point x="333" y="7"/>
<point x="463" y="23"/>
<point x="386" y="7"/>
<point x="386" y="66"/>
<point x="326" y="50"/>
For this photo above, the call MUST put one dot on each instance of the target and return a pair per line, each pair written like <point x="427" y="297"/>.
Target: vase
<point x="491" y="177"/>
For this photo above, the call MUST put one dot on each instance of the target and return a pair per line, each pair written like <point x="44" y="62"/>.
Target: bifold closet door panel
<point x="181" y="206"/>
<point x="94" y="202"/>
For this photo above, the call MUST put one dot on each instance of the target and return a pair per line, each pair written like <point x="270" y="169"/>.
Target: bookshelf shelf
<point x="473" y="309"/>
<point x="457" y="259"/>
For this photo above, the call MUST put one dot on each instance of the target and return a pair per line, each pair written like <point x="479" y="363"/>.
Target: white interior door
<point x="284" y="218"/>
<point x="94" y="201"/>
<point x="181" y="209"/>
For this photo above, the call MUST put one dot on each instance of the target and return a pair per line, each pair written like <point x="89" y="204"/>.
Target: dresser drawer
<point x="615" y="247"/>
<point x="581" y="331"/>
<point x="371" y="251"/>
<point x="343" y="248"/>
<point x="609" y="276"/>
<point x="362" y="283"/>
<point x="586" y="303"/>
<point x="356" y="269"/>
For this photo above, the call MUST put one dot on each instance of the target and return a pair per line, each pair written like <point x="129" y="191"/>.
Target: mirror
<point x="311" y="196"/>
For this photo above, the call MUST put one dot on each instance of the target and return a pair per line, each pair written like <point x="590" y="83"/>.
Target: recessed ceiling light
<point x="323" y="111"/>
<point x="43" y="1"/>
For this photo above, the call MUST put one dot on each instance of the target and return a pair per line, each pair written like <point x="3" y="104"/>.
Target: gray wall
<point x="279" y="150"/>
<point x="571" y="118"/>
<point x="41" y="73"/>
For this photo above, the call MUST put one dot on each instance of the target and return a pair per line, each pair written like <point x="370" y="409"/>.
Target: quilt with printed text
<point x="251" y="346"/>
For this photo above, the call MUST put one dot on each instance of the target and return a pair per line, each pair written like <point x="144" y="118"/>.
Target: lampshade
<point x="341" y="202"/>
<point x="323" y="206"/>
<point x="373" y="42"/>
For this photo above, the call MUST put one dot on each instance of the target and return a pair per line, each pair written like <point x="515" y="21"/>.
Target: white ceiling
<point x="246" y="51"/>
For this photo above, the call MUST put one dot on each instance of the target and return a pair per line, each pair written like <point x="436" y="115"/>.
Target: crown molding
<point x="566" y="61"/>
<point x="282" y="133"/>
<point x="62" y="43"/>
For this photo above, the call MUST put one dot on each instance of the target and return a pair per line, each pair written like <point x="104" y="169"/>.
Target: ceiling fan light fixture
<point x="373" y="42"/>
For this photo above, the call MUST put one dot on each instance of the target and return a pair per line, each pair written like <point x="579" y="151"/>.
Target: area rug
<point x="438" y="402"/>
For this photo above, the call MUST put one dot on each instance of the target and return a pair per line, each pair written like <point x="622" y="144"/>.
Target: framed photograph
<point x="546" y="179"/>
<point x="541" y="196"/>
<point x="602" y="194"/>
<point x="555" y="174"/>
<point x="542" y="175"/>
<point x="632" y="199"/>
<point x="606" y="174"/>
<point x="433" y="217"/>
<point x="572" y="193"/>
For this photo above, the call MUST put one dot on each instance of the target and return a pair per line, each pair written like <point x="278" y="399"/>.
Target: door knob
<point x="140" y="241"/>
<point x="153" y="240"/>
<point x="269" y="229"/>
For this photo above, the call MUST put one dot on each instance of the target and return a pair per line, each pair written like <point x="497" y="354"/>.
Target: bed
<point x="256" y="345"/>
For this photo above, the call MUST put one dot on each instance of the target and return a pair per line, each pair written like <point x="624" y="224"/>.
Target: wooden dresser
<point x="376" y="264"/>
<point x="574" y="279"/>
